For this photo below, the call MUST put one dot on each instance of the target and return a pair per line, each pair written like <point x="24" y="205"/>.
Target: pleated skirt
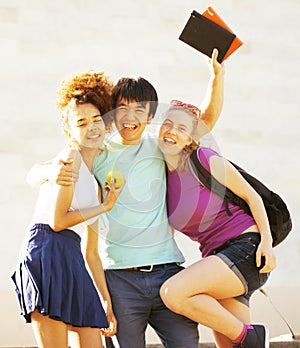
<point x="51" y="277"/>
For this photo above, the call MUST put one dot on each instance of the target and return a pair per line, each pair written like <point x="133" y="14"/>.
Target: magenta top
<point x="200" y="214"/>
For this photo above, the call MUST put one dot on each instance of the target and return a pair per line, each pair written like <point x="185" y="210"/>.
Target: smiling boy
<point x="140" y="250"/>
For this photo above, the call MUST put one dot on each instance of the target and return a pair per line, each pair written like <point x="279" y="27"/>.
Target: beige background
<point x="43" y="41"/>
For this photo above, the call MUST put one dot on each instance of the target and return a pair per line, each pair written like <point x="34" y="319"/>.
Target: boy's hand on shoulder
<point x="64" y="170"/>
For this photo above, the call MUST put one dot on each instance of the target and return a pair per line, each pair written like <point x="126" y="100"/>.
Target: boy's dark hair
<point x="139" y="90"/>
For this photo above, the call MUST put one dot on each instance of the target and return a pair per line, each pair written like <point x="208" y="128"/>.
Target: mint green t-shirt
<point x="139" y="233"/>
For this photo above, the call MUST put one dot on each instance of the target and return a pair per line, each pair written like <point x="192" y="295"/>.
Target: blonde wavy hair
<point x="188" y="149"/>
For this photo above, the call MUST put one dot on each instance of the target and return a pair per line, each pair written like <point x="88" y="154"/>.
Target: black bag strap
<point x="207" y="180"/>
<point x="276" y="209"/>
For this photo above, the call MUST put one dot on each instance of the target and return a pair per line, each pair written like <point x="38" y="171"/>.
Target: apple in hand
<point x="117" y="176"/>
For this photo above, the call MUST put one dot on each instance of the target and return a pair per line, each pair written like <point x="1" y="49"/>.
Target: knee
<point x="171" y="297"/>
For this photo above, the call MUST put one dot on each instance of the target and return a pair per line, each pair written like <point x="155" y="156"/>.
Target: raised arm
<point x="212" y="104"/>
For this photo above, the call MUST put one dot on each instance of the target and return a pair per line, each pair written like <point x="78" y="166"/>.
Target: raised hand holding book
<point x="208" y="31"/>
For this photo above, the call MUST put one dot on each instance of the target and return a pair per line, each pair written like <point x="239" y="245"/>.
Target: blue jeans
<point x="240" y="255"/>
<point x="136" y="303"/>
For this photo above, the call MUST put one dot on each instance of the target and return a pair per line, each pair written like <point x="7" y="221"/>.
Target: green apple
<point x="117" y="176"/>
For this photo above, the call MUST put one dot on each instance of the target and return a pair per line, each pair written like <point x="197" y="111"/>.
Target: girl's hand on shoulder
<point x="265" y="250"/>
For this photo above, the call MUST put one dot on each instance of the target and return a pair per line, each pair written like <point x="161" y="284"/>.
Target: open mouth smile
<point x="96" y="136"/>
<point x="129" y="126"/>
<point x="169" y="141"/>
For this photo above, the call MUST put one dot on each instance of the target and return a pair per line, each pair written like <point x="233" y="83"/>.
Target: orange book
<point x="207" y="31"/>
<point x="212" y="15"/>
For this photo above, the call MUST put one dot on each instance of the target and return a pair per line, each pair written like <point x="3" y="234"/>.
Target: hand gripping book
<point x="211" y="14"/>
<point x="208" y="31"/>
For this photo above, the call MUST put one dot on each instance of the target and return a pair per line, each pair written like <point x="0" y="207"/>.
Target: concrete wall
<point x="43" y="41"/>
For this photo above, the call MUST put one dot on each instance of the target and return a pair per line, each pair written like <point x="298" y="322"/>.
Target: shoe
<point x="258" y="337"/>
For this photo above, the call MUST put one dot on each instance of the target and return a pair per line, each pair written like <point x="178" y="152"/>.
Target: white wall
<point x="43" y="41"/>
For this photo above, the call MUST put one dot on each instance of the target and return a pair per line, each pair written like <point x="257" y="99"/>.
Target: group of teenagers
<point x="74" y="297"/>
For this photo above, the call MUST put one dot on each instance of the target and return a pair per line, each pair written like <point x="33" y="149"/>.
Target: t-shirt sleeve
<point x="99" y="162"/>
<point x="204" y="154"/>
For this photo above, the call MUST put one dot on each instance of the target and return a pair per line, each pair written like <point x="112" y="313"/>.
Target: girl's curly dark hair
<point x="89" y="87"/>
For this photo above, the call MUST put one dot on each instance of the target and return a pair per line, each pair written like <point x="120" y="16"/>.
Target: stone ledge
<point x="284" y="341"/>
<point x="273" y="344"/>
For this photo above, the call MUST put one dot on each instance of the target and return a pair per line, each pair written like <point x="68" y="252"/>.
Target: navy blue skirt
<point x="52" y="278"/>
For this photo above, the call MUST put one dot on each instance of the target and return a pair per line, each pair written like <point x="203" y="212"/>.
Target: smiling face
<point x="176" y="132"/>
<point x="84" y="125"/>
<point x="131" y="119"/>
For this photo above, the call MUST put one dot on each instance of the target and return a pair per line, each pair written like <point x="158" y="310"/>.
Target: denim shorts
<point x="240" y="255"/>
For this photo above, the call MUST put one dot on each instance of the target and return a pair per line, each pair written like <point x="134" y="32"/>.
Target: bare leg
<point x="85" y="337"/>
<point x="195" y="291"/>
<point x="49" y="333"/>
<point x="239" y="310"/>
